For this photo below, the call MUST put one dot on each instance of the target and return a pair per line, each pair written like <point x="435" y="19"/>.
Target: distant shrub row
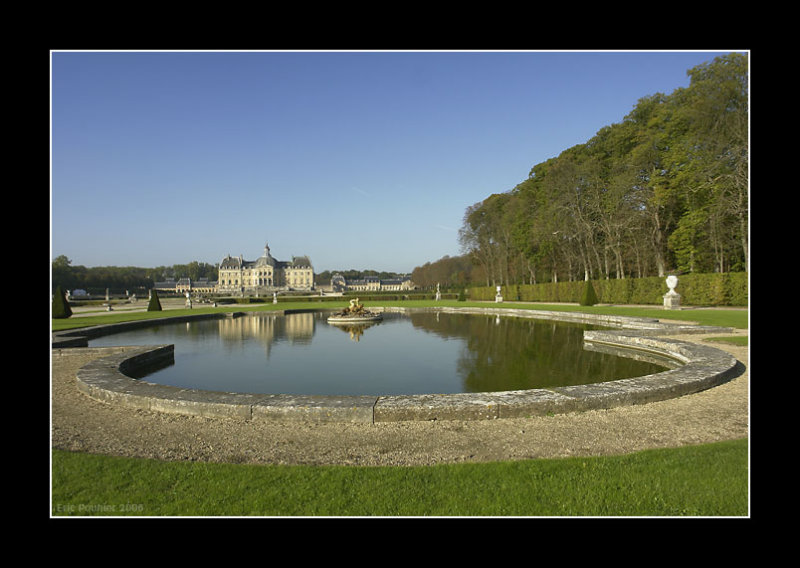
<point x="341" y="299"/>
<point x="399" y="296"/>
<point x="729" y="289"/>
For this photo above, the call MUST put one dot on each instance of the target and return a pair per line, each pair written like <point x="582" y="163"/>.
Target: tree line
<point x="324" y="277"/>
<point x="664" y="190"/>
<point x="453" y="272"/>
<point x="119" y="278"/>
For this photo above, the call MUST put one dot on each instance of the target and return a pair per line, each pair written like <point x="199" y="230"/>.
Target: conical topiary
<point x="589" y="297"/>
<point x="61" y="307"/>
<point x="154" y="305"/>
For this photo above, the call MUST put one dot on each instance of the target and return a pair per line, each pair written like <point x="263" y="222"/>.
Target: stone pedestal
<point x="672" y="301"/>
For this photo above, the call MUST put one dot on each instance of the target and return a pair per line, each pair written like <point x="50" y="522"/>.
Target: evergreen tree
<point x="154" y="305"/>
<point x="61" y="307"/>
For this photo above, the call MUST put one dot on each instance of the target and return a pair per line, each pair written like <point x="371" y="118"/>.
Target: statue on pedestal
<point x="672" y="300"/>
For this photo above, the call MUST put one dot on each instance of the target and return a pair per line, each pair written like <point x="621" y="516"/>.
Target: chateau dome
<point x="265" y="259"/>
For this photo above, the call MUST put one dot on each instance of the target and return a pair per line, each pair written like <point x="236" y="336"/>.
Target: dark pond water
<point x="415" y="353"/>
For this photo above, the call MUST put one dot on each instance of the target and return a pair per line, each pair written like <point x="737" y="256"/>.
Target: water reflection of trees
<point x="506" y="353"/>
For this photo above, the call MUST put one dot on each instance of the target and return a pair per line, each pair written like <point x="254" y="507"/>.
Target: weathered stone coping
<point x="701" y="367"/>
<point x="355" y="320"/>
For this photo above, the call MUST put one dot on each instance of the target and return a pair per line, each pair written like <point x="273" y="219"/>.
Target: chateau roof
<point x="231" y="262"/>
<point x="300" y="261"/>
<point x="237" y="262"/>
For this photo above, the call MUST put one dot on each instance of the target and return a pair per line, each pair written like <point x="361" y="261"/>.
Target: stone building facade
<point x="264" y="275"/>
<point x="371" y="284"/>
<point x="183" y="285"/>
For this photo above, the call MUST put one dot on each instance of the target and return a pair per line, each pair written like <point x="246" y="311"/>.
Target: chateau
<point x="264" y="275"/>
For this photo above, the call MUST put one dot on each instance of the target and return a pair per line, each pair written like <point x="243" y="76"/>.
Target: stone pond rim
<point x="702" y="367"/>
<point x="338" y="319"/>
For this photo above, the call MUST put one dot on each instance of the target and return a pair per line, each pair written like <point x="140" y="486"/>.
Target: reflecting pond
<point x="420" y="352"/>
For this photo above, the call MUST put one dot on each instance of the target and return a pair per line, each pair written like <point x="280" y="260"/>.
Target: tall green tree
<point x="666" y="188"/>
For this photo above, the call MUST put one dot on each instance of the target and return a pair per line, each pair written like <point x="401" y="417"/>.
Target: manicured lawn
<point x="707" y="480"/>
<point x="721" y="317"/>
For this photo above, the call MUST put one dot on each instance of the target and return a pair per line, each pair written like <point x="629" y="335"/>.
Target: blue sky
<point x="362" y="160"/>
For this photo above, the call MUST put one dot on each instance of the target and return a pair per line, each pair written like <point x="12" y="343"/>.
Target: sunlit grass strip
<point x="720" y="317"/>
<point x="740" y="340"/>
<point x="706" y="480"/>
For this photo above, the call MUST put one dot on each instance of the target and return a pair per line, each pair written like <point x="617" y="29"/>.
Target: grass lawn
<point x="721" y="317"/>
<point x="706" y="480"/>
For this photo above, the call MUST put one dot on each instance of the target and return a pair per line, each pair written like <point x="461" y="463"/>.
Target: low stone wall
<point x="698" y="367"/>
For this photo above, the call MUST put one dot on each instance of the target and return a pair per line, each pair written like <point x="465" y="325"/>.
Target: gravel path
<point x="85" y="425"/>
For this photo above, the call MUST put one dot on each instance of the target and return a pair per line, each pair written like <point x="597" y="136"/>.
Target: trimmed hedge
<point x="728" y="289"/>
<point x="393" y="297"/>
<point x="61" y="307"/>
<point x="399" y="296"/>
<point x="589" y="297"/>
<point x="154" y="305"/>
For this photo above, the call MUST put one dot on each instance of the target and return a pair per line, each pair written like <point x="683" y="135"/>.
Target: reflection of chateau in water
<point x="268" y="329"/>
<point x="406" y="353"/>
<point x="498" y="353"/>
<point x="299" y="328"/>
